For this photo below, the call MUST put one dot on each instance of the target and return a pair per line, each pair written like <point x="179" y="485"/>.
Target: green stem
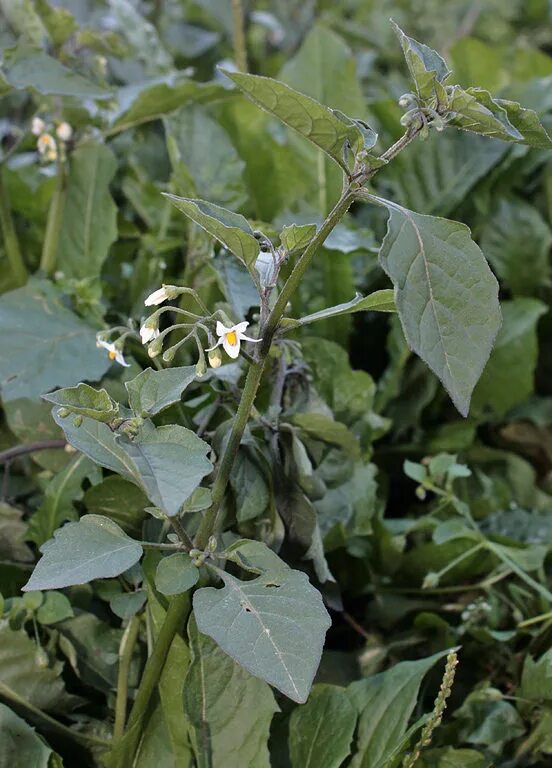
<point x="126" y="650"/>
<point x="497" y="550"/>
<point x="53" y="225"/>
<point x="240" y="46"/>
<point x="174" y="619"/>
<point x="13" y="250"/>
<point x="49" y="722"/>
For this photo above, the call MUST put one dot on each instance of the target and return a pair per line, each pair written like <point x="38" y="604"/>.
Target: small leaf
<point x="425" y="64"/>
<point x="273" y="625"/>
<point x="446" y="296"/>
<point x="318" y="123"/>
<point x="230" y="229"/>
<point x="56" y="607"/>
<point x="296" y="237"/>
<point x="254" y="556"/>
<point x="321" y="731"/>
<point x="86" y="401"/>
<point x="127" y="604"/>
<point x="93" y="548"/>
<point x="175" y="574"/>
<point x="379" y="301"/>
<point x="153" y="391"/>
<point x="321" y="427"/>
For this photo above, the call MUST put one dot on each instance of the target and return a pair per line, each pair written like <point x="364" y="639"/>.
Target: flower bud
<point x="212" y="544"/>
<point x="168" y="355"/>
<point x="41" y="658"/>
<point x="38" y="126"/>
<point x="155" y="347"/>
<point x="405" y="100"/>
<point x="215" y="358"/>
<point x="64" y="131"/>
<point x="201" y="368"/>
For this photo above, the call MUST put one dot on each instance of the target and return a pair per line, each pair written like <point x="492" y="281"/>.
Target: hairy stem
<point x="240" y="47"/>
<point x="126" y="650"/>
<point x="11" y="243"/>
<point x="53" y="225"/>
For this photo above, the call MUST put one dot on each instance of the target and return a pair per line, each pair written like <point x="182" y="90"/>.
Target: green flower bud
<point x="201" y="367"/>
<point x="155" y="347"/>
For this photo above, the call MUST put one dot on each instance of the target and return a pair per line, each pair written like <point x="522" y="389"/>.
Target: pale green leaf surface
<point x="379" y="301"/>
<point x="122" y="501"/>
<point x="176" y="573"/>
<point x="93" y="548"/>
<point x="19" y="744"/>
<point x="296" y="237"/>
<point x="153" y="391"/>
<point x="86" y="401"/>
<point x="426" y="66"/>
<point x="446" y="297"/>
<point x="274" y="626"/>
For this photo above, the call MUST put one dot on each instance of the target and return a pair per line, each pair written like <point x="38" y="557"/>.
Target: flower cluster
<point x="48" y="147"/>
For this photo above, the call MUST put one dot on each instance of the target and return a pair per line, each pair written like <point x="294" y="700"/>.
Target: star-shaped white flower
<point x="157" y="297"/>
<point x="148" y="334"/>
<point x="231" y="338"/>
<point x="113" y="352"/>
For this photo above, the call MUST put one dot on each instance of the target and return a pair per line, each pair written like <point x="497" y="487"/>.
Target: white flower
<point x="46" y="145"/>
<point x="37" y="126"/>
<point x="160" y="295"/>
<point x="230" y="338"/>
<point x="147" y="334"/>
<point x="64" y="131"/>
<point x="112" y="352"/>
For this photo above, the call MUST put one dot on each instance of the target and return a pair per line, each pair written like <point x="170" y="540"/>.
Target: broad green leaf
<point x="45" y="344"/>
<point x="254" y="556"/>
<point x="446" y="296"/>
<point x="176" y="573"/>
<point x="170" y="463"/>
<point x="20" y="744"/>
<point x="237" y="284"/>
<point x="86" y="401"/>
<point x="230" y="229"/>
<point x="199" y="147"/>
<point x="385" y="703"/>
<point x="121" y="501"/>
<point x="321" y="731"/>
<point x="296" y="237"/>
<point x="513" y="234"/>
<point x="379" y="301"/>
<point x="24" y="681"/>
<point x="150" y="100"/>
<point x="93" y="548"/>
<point x="316" y="122"/>
<point x="28" y="67"/>
<point x="426" y="66"/>
<point x="61" y="492"/>
<point x="321" y="427"/>
<point x="536" y="678"/>
<point x="22" y="17"/>
<point x="273" y="625"/>
<point x="475" y="110"/>
<point x="56" y="607"/>
<point x="250" y="488"/>
<point x="226" y="735"/>
<point x="153" y="391"/>
<point x="502" y="384"/>
<point x="127" y="604"/>
<point x="89" y="224"/>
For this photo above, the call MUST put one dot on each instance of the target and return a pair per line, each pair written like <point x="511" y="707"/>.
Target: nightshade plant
<point x="208" y="566"/>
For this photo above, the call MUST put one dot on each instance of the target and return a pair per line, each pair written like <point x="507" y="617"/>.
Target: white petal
<point x="120" y="359"/>
<point x="37" y="126"/>
<point x="232" y="350"/>
<point x="157" y="297"/>
<point x="240" y="327"/>
<point x="243" y="337"/>
<point x="222" y="329"/>
<point x="105" y="345"/>
<point x="219" y="342"/>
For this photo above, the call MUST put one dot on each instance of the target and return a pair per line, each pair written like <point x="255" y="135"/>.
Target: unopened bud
<point x="41" y="658"/>
<point x="38" y="126"/>
<point x="64" y="131"/>
<point x="212" y="544"/>
<point x="168" y="355"/>
<point x="155" y="347"/>
<point x="201" y="368"/>
<point x="405" y="100"/>
<point x="215" y="358"/>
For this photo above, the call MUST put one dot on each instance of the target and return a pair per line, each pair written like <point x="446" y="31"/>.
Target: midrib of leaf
<point x="313" y="741"/>
<point x="422" y="253"/>
<point x="234" y="584"/>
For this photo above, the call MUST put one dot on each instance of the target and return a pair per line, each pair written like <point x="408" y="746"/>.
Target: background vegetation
<point x="423" y="530"/>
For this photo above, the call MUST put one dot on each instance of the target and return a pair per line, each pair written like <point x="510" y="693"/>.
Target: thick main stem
<point x="11" y="243"/>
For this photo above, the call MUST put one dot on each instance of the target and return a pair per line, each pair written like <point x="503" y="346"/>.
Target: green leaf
<point x="176" y="573"/>
<point x="28" y="67"/>
<point x="475" y="110"/>
<point x="385" y="703"/>
<point x="514" y="229"/>
<point x="250" y="488"/>
<point x="86" y="401"/>
<point x="273" y="625"/>
<point x="536" y="678"/>
<point x="253" y="556"/>
<point x="59" y="22"/>
<point x="199" y="147"/>
<point x="446" y="296"/>
<point x="127" y="604"/>
<point x="321" y="731"/>
<point x="24" y="681"/>
<point x="225" y="734"/>
<point x="89" y="224"/>
<point x="153" y="391"/>
<point x="425" y="65"/>
<point x="93" y="548"/>
<point x="45" y="344"/>
<point x="230" y="229"/>
<point x="61" y="492"/>
<point x="296" y="237"/>
<point x="379" y="301"/>
<point x="12" y="532"/>
<point x="321" y="427"/>
<point x="502" y="384"/>
<point x="121" y="501"/>
<point x="20" y="745"/>
<point x="317" y="123"/>
<point x="141" y="35"/>
<point x="56" y="607"/>
<point x="169" y="463"/>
